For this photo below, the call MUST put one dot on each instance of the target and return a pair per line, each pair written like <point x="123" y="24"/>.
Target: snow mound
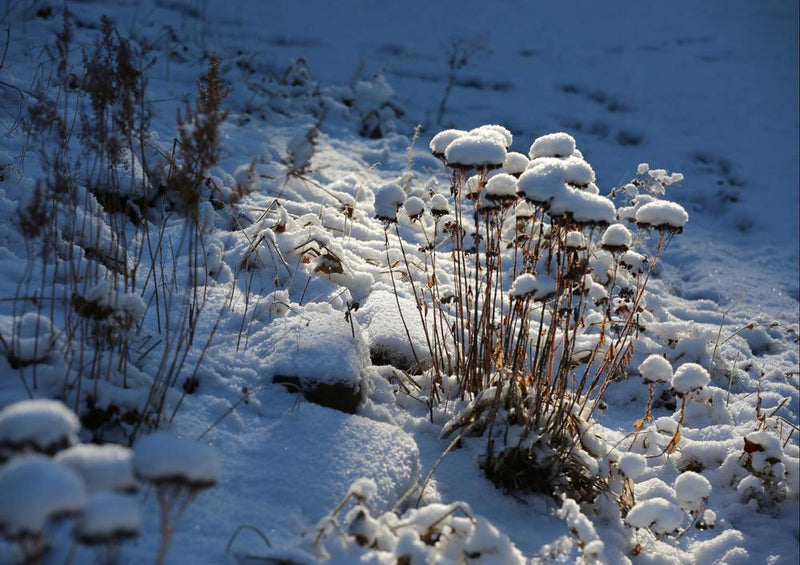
<point x="655" y="369"/>
<point x="108" y="517"/>
<point x="40" y="425"/>
<point x="318" y="351"/>
<point x="166" y="458"/>
<point x="553" y="145"/>
<point x="36" y="489"/>
<point x="386" y="335"/>
<point x="102" y="467"/>
<point x="689" y="377"/>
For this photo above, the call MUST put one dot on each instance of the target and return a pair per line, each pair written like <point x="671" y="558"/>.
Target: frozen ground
<point x="708" y="89"/>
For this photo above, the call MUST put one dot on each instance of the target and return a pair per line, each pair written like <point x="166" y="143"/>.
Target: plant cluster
<point x="530" y="288"/>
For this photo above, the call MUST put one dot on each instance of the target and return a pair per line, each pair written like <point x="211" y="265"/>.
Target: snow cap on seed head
<point x="515" y="163"/>
<point x="689" y="377"/>
<point x="616" y="238"/>
<point x="35" y="490"/>
<point x="527" y="285"/>
<point x="476" y="150"/>
<point x="442" y="139"/>
<point x="662" y="215"/>
<point x="107" y="518"/>
<point x="388" y="199"/>
<point x="655" y="369"/>
<point x="162" y="458"/>
<point x="39" y="425"/>
<point x="553" y="145"/>
<point x="102" y="467"/>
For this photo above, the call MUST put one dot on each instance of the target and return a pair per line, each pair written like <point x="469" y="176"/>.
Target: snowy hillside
<point x="399" y="283"/>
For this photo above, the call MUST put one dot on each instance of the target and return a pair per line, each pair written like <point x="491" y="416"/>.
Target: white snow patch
<point x="689" y="377"/>
<point x="662" y="214"/>
<point x="553" y="145"/>
<point x="655" y="369"/>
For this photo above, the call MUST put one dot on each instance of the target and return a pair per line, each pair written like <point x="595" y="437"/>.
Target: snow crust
<point x="163" y="457"/>
<point x="41" y="424"/>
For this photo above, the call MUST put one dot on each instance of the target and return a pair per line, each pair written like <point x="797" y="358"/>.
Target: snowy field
<point x="282" y="282"/>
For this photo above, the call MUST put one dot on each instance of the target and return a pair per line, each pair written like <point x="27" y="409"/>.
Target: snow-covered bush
<point x="536" y="253"/>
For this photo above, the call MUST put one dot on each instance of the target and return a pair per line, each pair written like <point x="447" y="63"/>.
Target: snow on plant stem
<point x="40" y="425"/>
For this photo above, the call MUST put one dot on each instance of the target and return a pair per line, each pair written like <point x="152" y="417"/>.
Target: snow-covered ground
<point x="323" y="103"/>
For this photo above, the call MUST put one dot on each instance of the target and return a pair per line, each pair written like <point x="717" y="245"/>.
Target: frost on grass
<point x="40" y="425"/>
<point x="102" y="467"/>
<point x="108" y="517"/>
<point x="163" y="458"/>
<point x="35" y="490"/>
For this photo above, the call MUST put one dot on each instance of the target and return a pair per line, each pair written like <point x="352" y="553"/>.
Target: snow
<point x="441" y="140"/>
<point x="476" y="150"/>
<point x="552" y="145"/>
<point x="689" y="377"/>
<point x="32" y="338"/>
<point x="41" y="424"/>
<point x="108" y="516"/>
<point x="102" y="467"/>
<point x="655" y="369"/>
<point x="657" y="514"/>
<point x="661" y="214"/>
<point x="617" y="236"/>
<point x="414" y="207"/>
<point x="387" y="200"/>
<point x="501" y="187"/>
<point x="542" y="182"/>
<point x="324" y="134"/>
<point x="692" y="489"/>
<point x="163" y="457"/>
<point x="527" y="285"/>
<point x="496" y="131"/>
<point x="583" y="207"/>
<point x="632" y="465"/>
<point x="515" y="163"/>
<point x="35" y="490"/>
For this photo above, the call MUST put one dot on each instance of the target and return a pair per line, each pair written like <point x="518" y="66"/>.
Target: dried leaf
<point x="637" y="425"/>
<point x="675" y="441"/>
